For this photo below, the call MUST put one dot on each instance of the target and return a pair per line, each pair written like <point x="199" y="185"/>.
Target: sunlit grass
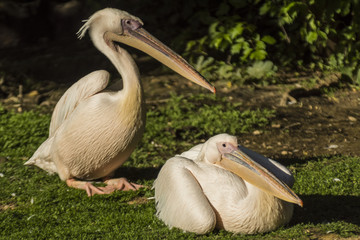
<point x="183" y="122"/>
<point x="35" y="205"/>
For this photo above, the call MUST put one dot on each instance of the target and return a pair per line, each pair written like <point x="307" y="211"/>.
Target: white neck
<point x="124" y="63"/>
<point x="128" y="70"/>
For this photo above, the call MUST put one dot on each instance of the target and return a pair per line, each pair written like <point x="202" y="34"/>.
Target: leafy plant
<point x="232" y="40"/>
<point x="212" y="69"/>
<point x="310" y="34"/>
<point x="261" y="69"/>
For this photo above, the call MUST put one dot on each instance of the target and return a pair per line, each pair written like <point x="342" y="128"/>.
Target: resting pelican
<point x="221" y="185"/>
<point x="94" y="130"/>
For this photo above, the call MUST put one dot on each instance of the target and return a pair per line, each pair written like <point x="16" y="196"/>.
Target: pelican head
<point x="223" y="151"/>
<point x="116" y="26"/>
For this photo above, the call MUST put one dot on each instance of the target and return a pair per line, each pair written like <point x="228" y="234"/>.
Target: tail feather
<point x="42" y="159"/>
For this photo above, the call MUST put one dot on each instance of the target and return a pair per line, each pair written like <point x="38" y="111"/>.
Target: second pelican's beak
<point x="136" y="36"/>
<point x="236" y="161"/>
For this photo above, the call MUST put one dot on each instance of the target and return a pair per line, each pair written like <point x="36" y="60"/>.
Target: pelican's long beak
<point x="136" y="36"/>
<point x="238" y="162"/>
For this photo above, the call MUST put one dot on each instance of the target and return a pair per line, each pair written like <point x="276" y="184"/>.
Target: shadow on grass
<point x="292" y="161"/>
<point x="327" y="208"/>
<point x="296" y="160"/>
<point x="133" y="173"/>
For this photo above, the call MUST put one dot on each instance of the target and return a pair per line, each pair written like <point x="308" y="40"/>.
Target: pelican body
<point x="94" y="130"/>
<point x="221" y="185"/>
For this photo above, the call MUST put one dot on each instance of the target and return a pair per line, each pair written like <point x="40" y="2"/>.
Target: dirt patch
<point x="139" y="200"/>
<point x="314" y="126"/>
<point x="7" y="206"/>
<point x="314" y="233"/>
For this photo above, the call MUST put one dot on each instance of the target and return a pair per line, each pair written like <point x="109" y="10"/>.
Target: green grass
<point x="35" y="205"/>
<point x="183" y="122"/>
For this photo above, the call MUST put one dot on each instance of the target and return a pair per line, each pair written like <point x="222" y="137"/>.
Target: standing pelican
<point x="221" y="185"/>
<point x="94" y="130"/>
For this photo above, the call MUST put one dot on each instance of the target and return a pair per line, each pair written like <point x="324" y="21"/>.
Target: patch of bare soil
<point x="313" y="126"/>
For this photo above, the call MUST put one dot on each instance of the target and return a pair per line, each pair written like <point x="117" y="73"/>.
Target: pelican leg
<point x="90" y="189"/>
<point x="121" y="184"/>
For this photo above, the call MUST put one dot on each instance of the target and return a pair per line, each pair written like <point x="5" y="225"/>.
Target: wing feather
<point x="82" y="89"/>
<point x="192" y="153"/>
<point x="180" y="201"/>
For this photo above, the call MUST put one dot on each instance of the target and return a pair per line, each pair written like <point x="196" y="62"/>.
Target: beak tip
<point x="213" y="90"/>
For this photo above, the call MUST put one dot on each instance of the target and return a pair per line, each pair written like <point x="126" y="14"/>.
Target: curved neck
<point x="123" y="62"/>
<point x="128" y="70"/>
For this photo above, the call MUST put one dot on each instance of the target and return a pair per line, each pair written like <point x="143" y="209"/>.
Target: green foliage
<point x="232" y="35"/>
<point x="234" y="41"/>
<point x="212" y="69"/>
<point x="238" y="40"/>
<point x="261" y="69"/>
<point x="315" y="34"/>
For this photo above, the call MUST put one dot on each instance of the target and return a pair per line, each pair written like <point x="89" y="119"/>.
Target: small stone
<point x="352" y="119"/>
<point x="332" y="146"/>
<point x="256" y="132"/>
<point x="33" y="93"/>
<point x="275" y="125"/>
<point x="284" y="152"/>
<point x="11" y="100"/>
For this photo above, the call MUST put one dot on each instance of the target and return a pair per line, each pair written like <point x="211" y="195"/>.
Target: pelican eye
<point x="224" y="145"/>
<point x="130" y="24"/>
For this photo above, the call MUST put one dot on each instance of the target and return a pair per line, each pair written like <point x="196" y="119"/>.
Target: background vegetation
<point x="236" y="39"/>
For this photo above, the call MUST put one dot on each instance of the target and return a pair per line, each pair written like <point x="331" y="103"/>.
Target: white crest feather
<point x="83" y="29"/>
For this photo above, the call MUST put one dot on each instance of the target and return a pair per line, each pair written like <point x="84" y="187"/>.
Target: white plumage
<point x="194" y="193"/>
<point x="93" y="130"/>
